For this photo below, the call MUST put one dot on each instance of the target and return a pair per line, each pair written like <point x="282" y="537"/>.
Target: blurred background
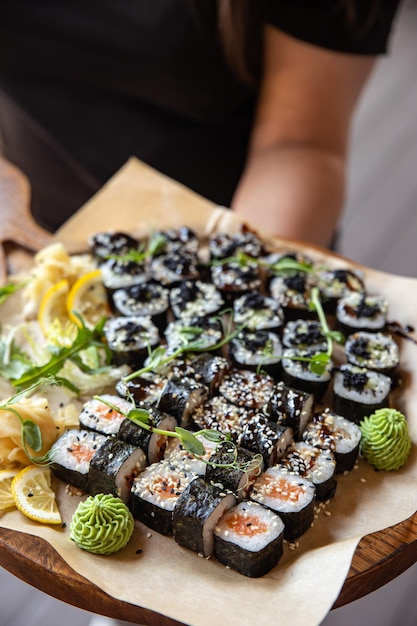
<point x="379" y="230"/>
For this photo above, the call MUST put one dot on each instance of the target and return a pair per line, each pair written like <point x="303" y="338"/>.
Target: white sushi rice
<point x="72" y="445"/>
<point x="333" y="432"/>
<point x="183" y="460"/>
<point x="267" y="313"/>
<point x="293" y="364"/>
<point x="250" y="526"/>
<point x="316" y="465"/>
<point x="380" y="350"/>
<point x="374" y="391"/>
<point x="133" y="332"/>
<point x="98" y="416"/>
<point x="304" y="334"/>
<point x="119" y="275"/>
<point x="244" y="353"/>
<point x="282" y="490"/>
<point x="161" y="484"/>
<point x="347" y="307"/>
<point x="207" y="299"/>
<point x="128" y="303"/>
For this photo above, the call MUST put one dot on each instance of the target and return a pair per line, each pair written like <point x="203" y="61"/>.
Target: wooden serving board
<point x="146" y="200"/>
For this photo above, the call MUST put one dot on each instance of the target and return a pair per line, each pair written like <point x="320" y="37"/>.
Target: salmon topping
<point x="83" y="453"/>
<point x="107" y="413"/>
<point x="166" y="487"/>
<point x="248" y="525"/>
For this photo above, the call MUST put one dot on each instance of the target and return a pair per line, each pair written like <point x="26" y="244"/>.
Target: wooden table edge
<point x="37" y="563"/>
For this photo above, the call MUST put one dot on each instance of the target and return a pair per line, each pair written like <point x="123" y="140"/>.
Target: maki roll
<point x="374" y="351"/>
<point x="145" y="390"/>
<point x="235" y="278"/>
<point x="130" y="339"/>
<point x="290" y="496"/>
<point x="181" y="239"/>
<point x="113" y="468"/>
<point x="152" y="443"/>
<point x="247" y="388"/>
<point x="289" y="263"/>
<point x="155" y="493"/>
<point x="255" y="311"/>
<point x="107" y="244"/>
<point x="71" y="455"/>
<point x="180" y="458"/>
<point x="203" y="332"/>
<point x="209" y="369"/>
<point x="292" y="292"/>
<point x="180" y="397"/>
<point x="330" y="431"/>
<point x="248" y="539"/>
<point x="225" y="245"/>
<point x="290" y="407"/>
<point x="358" y="392"/>
<point x="170" y="269"/>
<point x="196" y="514"/>
<point x="122" y="273"/>
<point x="194" y="299"/>
<point x="259" y="350"/>
<point x="318" y="466"/>
<point x="267" y="438"/>
<point x="145" y="299"/>
<point x="96" y="415"/>
<point x="334" y="284"/>
<point x="304" y="334"/>
<point x="219" y="414"/>
<point x="360" y="311"/>
<point x="297" y="373"/>
<point x="234" y="468"/>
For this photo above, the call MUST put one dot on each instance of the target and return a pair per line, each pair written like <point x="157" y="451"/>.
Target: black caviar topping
<point x="254" y="300"/>
<point x="354" y="380"/>
<point x="297" y="282"/>
<point x="360" y="348"/>
<point x="364" y="309"/>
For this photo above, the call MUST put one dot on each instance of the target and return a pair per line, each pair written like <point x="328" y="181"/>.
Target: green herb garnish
<point x="85" y="338"/>
<point x="155" y="245"/>
<point x="319" y="361"/>
<point x="142" y="417"/>
<point x="8" y="290"/>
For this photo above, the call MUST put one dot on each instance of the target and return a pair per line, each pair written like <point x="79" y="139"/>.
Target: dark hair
<point x="240" y="28"/>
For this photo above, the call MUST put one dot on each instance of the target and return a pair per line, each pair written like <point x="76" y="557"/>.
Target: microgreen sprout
<point x="189" y="440"/>
<point x="284" y="265"/>
<point x="319" y="361"/>
<point x="192" y="342"/>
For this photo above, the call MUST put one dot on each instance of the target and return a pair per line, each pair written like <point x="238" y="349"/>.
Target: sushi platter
<point x="347" y="526"/>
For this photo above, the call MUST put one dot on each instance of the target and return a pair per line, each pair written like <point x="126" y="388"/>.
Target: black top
<point x="87" y="83"/>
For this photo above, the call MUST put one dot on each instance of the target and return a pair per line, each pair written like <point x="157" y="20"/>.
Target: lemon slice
<point x="88" y="298"/>
<point x="52" y="308"/>
<point x="33" y="495"/>
<point x="6" y="498"/>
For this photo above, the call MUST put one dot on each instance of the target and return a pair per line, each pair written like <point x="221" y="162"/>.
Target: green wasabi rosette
<point x="386" y="442"/>
<point x="101" y="524"/>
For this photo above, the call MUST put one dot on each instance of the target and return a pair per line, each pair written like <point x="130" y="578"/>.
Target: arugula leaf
<point x="7" y="290"/>
<point x="13" y="361"/>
